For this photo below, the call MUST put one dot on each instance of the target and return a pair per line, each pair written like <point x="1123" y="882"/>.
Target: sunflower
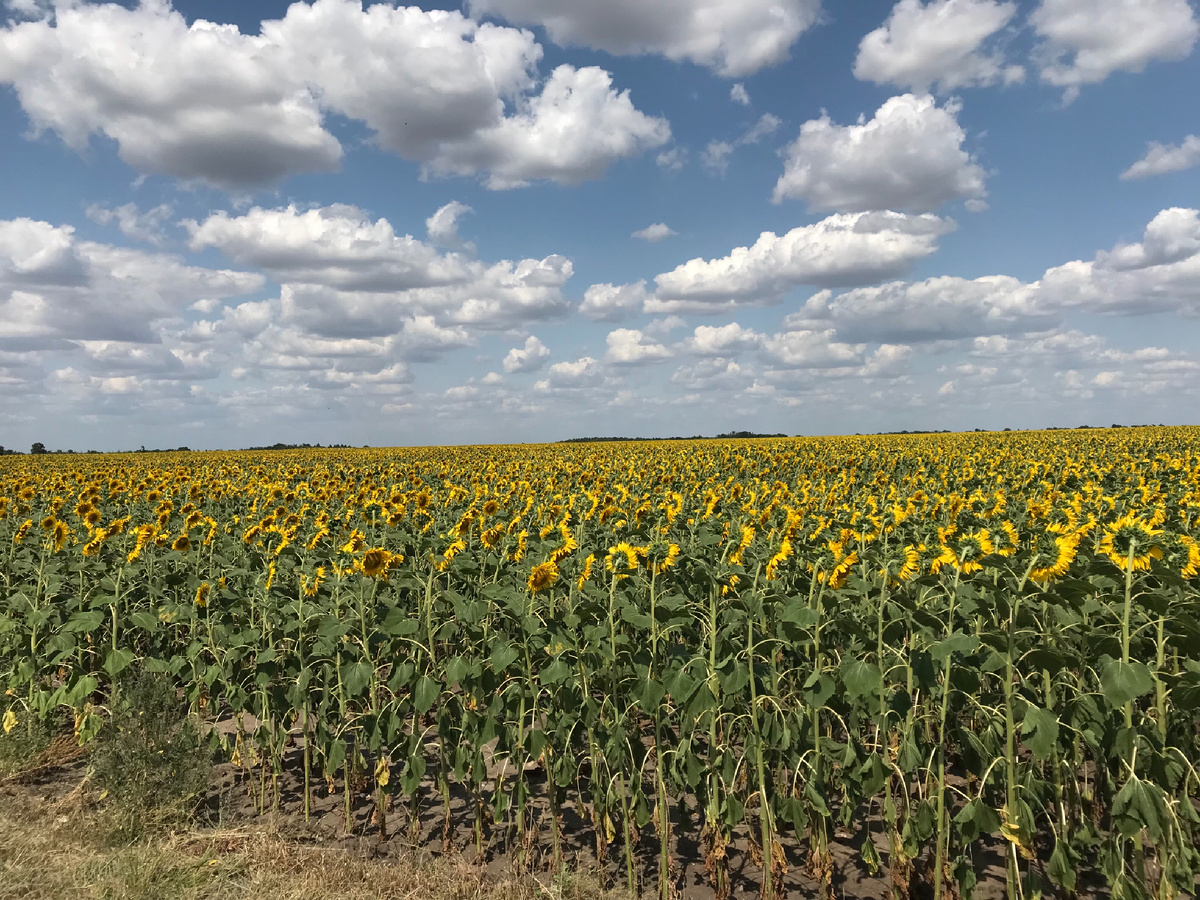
<point x="587" y="570"/>
<point x="1006" y="538"/>
<point x="542" y="576"/>
<point x="632" y="556"/>
<point x="490" y="508"/>
<point x="375" y="562"/>
<point x="23" y="530"/>
<point x="747" y="538"/>
<point x="59" y="535"/>
<point x="92" y="547"/>
<point x="663" y="556"/>
<point x="309" y="588"/>
<point x="962" y="551"/>
<point x="1129" y="539"/>
<point x="1182" y="553"/>
<point x="909" y="565"/>
<point x="785" y="550"/>
<point x="356" y="542"/>
<point x="181" y="544"/>
<point x="202" y="595"/>
<point x="491" y="537"/>
<point x="1058" y="551"/>
<point x="48" y="523"/>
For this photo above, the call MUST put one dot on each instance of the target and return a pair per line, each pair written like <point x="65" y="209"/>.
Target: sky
<point x="231" y="223"/>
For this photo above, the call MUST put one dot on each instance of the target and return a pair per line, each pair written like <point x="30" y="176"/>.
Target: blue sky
<point x="226" y="223"/>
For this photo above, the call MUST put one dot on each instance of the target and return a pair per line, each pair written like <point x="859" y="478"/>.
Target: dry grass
<point x="62" y="851"/>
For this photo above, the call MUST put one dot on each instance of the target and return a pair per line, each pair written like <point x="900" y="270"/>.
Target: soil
<point x="235" y="799"/>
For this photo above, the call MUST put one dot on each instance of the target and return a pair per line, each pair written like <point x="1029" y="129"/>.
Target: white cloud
<point x="738" y="94"/>
<point x="200" y="102"/>
<point x="1085" y="41"/>
<point x="716" y="154"/>
<point x="629" y="346"/>
<point x="1161" y="272"/>
<point x="943" y="308"/>
<point x="140" y="226"/>
<point x="1161" y="159"/>
<point x="442" y="227"/>
<point x="732" y="37"/>
<point x="529" y="358"/>
<point x="724" y="340"/>
<point x="908" y="157"/>
<point x="655" y="232"/>
<point x="53" y="286"/>
<point x="207" y="102"/>
<point x="571" y="132"/>
<point x="841" y="250"/>
<point x="715" y="374"/>
<point x="813" y="350"/>
<point x="937" y="43"/>
<point x="343" y="273"/>
<point x="611" y="302"/>
<point x="583" y="372"/>
<point x="672" y="160"/>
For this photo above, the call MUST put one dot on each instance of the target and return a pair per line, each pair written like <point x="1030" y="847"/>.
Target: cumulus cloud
<point x="672" y="160"/>
<point x="1160" y="159"/>
<point x="732" y="37"/>
<point x="656" y="232"/>
<point x="738" y="94"/>
<point x="628" y="346"/>
<point x="529" y="358"/>
<point x="813" y="350"/>
<point x="583" y="372"/>
<point x="54" y="286"/>
<point x="938" y="44"/>
<point x="943" y="308"/>
<point x="1085" y="41"/>
<point x="908" y="157"/>
<point x="442" y="227"/>
<point x="135" y="224"/>
<point x="612" y="302"/>
<point x="1161" y="272"/>
<point x="723" y="340"/>
<point x="839" y="251"/>
<point x="207" y="102"/>
<point x="344" y="273"/>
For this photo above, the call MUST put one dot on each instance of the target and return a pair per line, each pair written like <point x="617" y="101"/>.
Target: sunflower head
<point x="181" y="544"/>
<point x="542" y="576"/>
<point x="375" y="562"/>
<point x="1131" y="542"/>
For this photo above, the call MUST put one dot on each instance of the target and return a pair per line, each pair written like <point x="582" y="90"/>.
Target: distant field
<point x="870" y="665"/>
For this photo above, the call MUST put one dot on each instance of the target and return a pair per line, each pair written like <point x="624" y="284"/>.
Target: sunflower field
<point x="936" y="647"/>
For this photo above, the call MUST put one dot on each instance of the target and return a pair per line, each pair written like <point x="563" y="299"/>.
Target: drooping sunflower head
<point x="181" y="544"/>
<point x="59" y="535"/>
<point x="375" y="562"/>
<point x="542" y="576"/>
<point x="1131" y="542"/>
<point x="1055" y="553"/>
<point x="1181" y="553"/>
<point x="202" y="595"/>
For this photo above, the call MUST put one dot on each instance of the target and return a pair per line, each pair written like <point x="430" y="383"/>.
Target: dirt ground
<point x="234" y="800"/>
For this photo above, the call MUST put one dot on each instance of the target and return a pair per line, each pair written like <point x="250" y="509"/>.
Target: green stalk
<point x="943" y="831"/>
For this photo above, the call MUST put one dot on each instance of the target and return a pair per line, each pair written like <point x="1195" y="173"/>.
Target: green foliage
<point x="148" y="758"/>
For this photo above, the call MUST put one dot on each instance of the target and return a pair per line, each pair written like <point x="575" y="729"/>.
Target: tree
<point x="38" y="447"/>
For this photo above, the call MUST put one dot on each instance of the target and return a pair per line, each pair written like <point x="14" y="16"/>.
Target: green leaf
<point x="1039" y="731"/>
<point x="1139" y="804"/>
<point x="424" y="693"/>
<point x="955" y="643"/>
<point x="862" y="679"/>
<point x="355" y="677"/>
<point x="147" y="621"/>
<point x="503" y="655"/>
<point x="1122" y="681"/>
<point x="83" y="621"/>
<point x="117" y="661"/>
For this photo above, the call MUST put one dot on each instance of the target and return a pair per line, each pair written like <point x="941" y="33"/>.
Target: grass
<point x="64" y="849"/>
